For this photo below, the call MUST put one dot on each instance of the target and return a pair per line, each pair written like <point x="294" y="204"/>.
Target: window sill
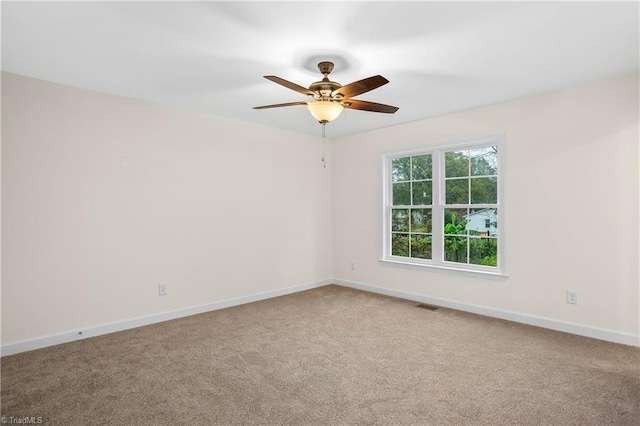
<point x="498" y="276"/>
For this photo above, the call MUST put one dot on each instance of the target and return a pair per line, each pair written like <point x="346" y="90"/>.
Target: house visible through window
<point x="441" y="207"/>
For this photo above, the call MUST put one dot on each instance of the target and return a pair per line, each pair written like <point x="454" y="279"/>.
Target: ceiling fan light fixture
<point x="325" y="111"/>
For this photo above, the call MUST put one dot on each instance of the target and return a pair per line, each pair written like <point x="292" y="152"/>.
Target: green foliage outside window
<point x="481" y="250"/>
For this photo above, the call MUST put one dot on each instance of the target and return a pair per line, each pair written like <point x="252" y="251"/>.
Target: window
<point x="441" y="207"/>
<point x="411" y="214"/>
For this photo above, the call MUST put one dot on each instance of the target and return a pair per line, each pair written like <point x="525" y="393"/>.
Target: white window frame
<point x="437" y="263"/>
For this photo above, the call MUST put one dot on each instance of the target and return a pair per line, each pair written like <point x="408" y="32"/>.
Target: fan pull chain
<point x="324" y="164"/>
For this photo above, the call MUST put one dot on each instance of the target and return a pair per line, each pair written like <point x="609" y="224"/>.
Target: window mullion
<point x="438" y="209"/>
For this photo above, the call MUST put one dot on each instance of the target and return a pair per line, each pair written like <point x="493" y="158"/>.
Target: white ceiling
<point x="210" y="56"/>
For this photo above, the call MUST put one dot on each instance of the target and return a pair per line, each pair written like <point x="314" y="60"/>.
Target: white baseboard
<point x="98" y="330"/>
<point x="567" y="327"/>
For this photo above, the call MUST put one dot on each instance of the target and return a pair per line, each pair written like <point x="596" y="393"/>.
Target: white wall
<point x="104" y="198"/>
<point x="571" y="210"/>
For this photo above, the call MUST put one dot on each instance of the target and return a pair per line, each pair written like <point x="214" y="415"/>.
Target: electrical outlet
<point x="353" y="265"/>
<point x="572" y="297"/>
<point x="162" y="289"/>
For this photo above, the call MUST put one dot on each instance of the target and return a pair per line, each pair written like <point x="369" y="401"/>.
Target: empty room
<point x="320" y="213"/>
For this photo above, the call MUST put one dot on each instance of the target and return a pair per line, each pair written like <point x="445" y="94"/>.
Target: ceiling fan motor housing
<point x="324" y="88"/>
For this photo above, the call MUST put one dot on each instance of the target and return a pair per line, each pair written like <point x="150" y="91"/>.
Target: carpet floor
<point x="328" y="356"/>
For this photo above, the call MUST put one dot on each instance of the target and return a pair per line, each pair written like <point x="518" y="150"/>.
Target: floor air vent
<point x="429" y="307"/>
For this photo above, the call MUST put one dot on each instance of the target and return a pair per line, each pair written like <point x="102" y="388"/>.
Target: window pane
<point x="455" y="222"/>
<point x="456" y="163"/>
<point x="483" y="222"/>
<point x="400" y="245"/>
<point x="455" y="249"/>
<point x="483" y="251"/>
<point x="422" y="193"/>
<point x="421" y="167"/>
<point x="484" y="190"/>
<point x="400" y="169"/>
<point x="400" y="220"/>
<point x="402" y="194"/>
<point x="421" y="246"/>
<point x="457" y="191"/>
<point x="484" y="161"/>
<point x="421" y="220"/>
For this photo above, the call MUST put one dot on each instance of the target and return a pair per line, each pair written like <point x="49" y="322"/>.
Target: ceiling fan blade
<point x="289" y="85"/>
<point x="369" y="106"/>
<point x="361" y="86"/>
<point x="280" y="105"/>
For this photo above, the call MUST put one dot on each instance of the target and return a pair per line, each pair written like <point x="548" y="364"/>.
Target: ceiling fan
<point x="331" y="98"/>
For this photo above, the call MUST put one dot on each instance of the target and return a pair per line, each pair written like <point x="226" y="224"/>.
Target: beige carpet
<point x="328" y="356"/>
